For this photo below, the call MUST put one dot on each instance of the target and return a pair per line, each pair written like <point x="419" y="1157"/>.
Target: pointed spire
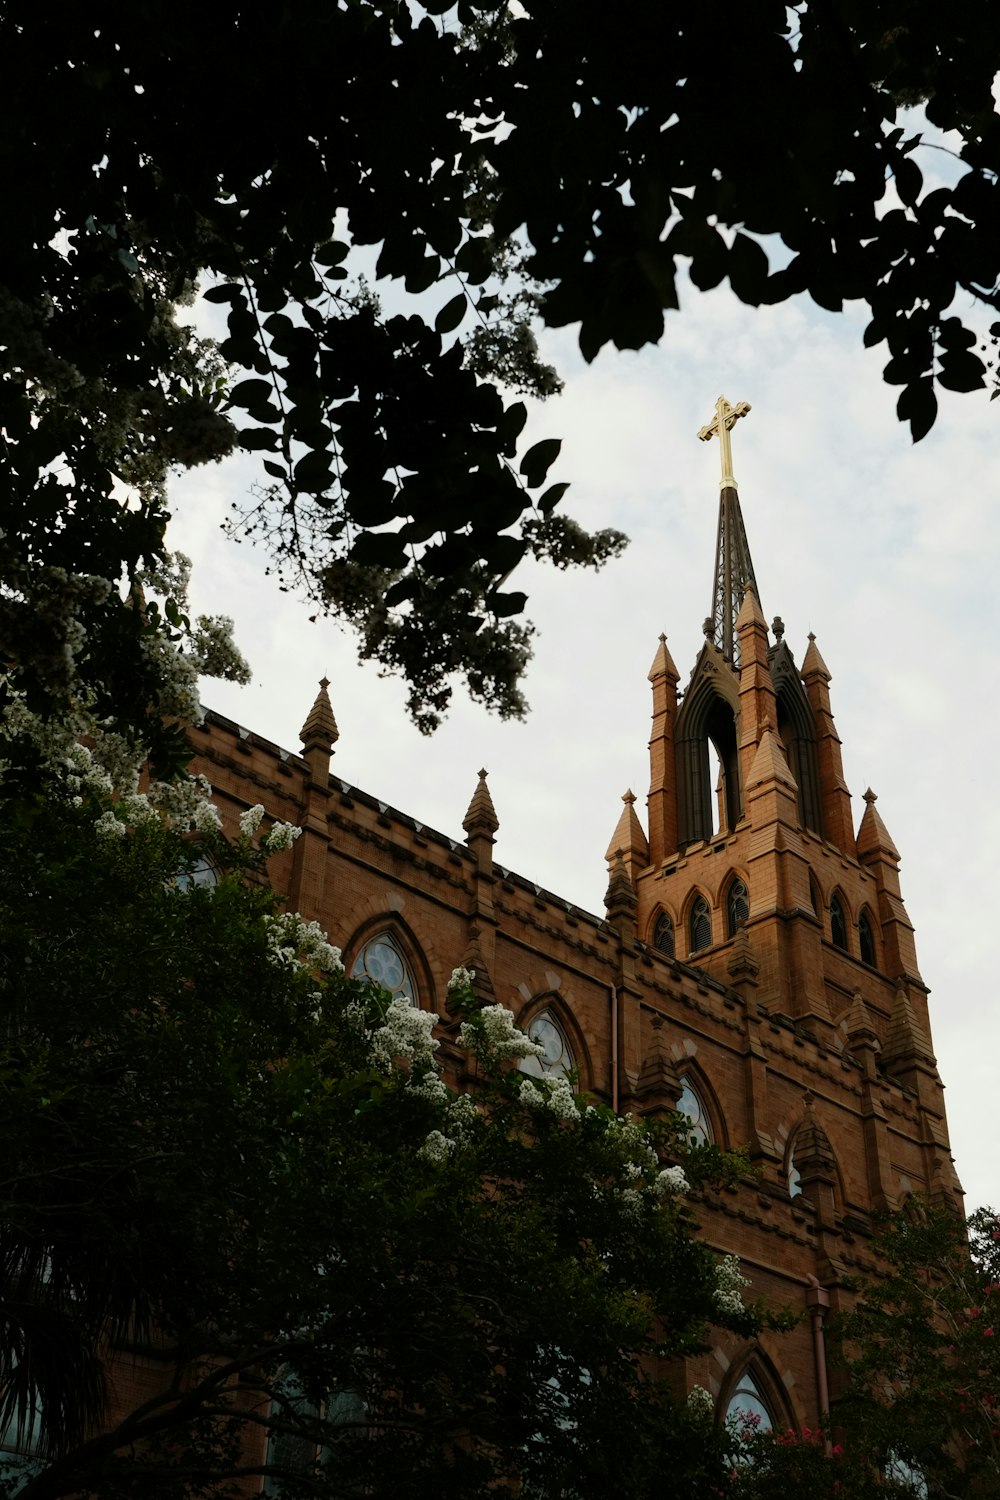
<point x="320" y="731"/>
<point x="733" y="576"/>
<point x="750" y="611"/>
<point x="858" y="1022"/>
<point x="663" y="663"/>
<point x="813" y="663"/>
<point x="733" y="566"/>
<point x="873" y="836"/>
<point x="481" y="818"/>
<point x="769" y="763"/>
<point x="628" y="837"/>
<point x="907" y="1041"/>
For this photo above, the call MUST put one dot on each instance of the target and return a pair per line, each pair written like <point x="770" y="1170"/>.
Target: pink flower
<point x="987" y="1333"/>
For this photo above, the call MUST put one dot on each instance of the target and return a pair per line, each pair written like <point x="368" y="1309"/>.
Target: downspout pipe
<point x="613" y="996"/>
<point x="818" y="1303"/>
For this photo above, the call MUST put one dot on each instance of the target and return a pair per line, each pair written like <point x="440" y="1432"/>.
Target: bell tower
<point x="751" y="837"/>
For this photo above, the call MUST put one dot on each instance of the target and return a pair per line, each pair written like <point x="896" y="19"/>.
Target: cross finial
<point x="721" y="426"/>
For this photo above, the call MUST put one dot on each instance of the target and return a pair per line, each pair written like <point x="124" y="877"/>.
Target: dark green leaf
<point x="538" y="460"/>
<point x="451" y="314"/>
<point x="918" y="406"/>
<point x="547" y="503"/>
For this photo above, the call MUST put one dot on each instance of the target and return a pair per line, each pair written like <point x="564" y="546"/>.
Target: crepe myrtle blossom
<point x="556" y="1097"/>
<point x="671" y="1180"/>
<point x="281" y="836"/>
<point x="729" y="1284"/>
<point x="250" y="820"/>
<point x="294" y="942"/>
<point x="429" y="1086"/>
<point x="700" y="1402"/>
<point x="461" y="978"/>
<point x="406" y="1036"/>
<point x="494" y="1026"/>
<point x="437" y="1149"/>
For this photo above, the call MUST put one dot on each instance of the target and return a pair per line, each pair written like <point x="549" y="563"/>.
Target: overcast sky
<point x="887" y="551"/>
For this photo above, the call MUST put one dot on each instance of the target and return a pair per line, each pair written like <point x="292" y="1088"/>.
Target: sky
<point x="884" y="549"/>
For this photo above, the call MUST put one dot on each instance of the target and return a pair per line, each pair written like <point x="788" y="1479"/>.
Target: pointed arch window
<point x="866" y="940"/>
<point x="381" y="962"/>
<point x="701" y="925"/>
<point x="747" y="1407"/>
<point x="737" y="906"/>
<point x="557" y="1059"/>
<point x="663" y="937"/>
<point x="692" y="1105"/>
<point x="838" y="923"/>
<point x="792" y="1173"/>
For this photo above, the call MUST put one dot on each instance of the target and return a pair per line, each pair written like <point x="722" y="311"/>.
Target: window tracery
<point x="558" y="1059"/>
<point x="737" y="906"/>
<point x="747" y="1406"/>
<point x="381" y="962"/>
<point x="866" y="940"/>
<point x="700" y="925"/>
<point x="663" y="936"/>
<point x="838" y="923"/>
<point x="692" y="1105"/>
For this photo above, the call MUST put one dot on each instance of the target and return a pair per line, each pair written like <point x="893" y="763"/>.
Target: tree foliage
<point x="247" y="1229"/>
<point x="922" y="1352"/>
<point x="483" y="160"/>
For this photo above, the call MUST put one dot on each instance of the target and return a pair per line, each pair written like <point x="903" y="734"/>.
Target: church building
<point x="754" y="967"/>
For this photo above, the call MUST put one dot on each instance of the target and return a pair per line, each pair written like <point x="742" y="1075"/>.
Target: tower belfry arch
<point x="733" y="564"/>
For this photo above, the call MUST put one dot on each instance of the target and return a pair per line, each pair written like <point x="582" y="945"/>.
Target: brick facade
<point x="801" y="1023"/>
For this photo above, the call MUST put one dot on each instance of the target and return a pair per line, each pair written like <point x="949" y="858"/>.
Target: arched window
<point x="701" y="925"/>
<point x="558" y="1057"/>
<point x="747" y="1407"/>
<point x="381" y="963"/>
<point x="838" y="923"/>
<point x="866" y="939"/>
<point x="200" y="872"/>
<point x="792" y="1172"/>
<point x="663" y="937"/>
<point x="737" y="907"/>
<point x="691" y="1104"/>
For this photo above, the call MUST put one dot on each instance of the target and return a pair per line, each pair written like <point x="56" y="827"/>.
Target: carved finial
<point x="870" y="797"/>
<point x="777" y="627"/>
<point x="320" y="731"/>
<point x="663" y="639"/>
<point x="481" y="817"/>
<point x="628" y="797"/>
<point x="721" y="426"/>
<point x="812" y="636"/>
<point x="708" y="626"/>
<point x="807" y="1099"/>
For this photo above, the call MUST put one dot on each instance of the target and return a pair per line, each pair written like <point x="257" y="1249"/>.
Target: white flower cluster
<point x="281" y="836"/>
<point x="437" y="1149"/>
<point x="186" y="803"/>
<point x="463" y="1116"/>
<point x="556" y="1097"/>
<point x="461" y="978"/>
<point x="294" y="942"/>
<point x="495" y="1023"/>
<point x="561" y="1102"/>
<point x="216" y="653"/>
<point x="700" y="1401"/>
<point x="429" y="1086"/>
<point x="671" y="1180"/>
<point x="729" y="1284"/>
<point x="406" y="1036"/>
<point x="632" y="1204"/>
<point x="250" y="820"/>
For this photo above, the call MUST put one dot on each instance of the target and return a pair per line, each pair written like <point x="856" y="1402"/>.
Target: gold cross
<point x="721" y="425"/>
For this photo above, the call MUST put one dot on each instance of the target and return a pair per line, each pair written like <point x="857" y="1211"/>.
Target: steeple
<point x="733" y="564"/>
